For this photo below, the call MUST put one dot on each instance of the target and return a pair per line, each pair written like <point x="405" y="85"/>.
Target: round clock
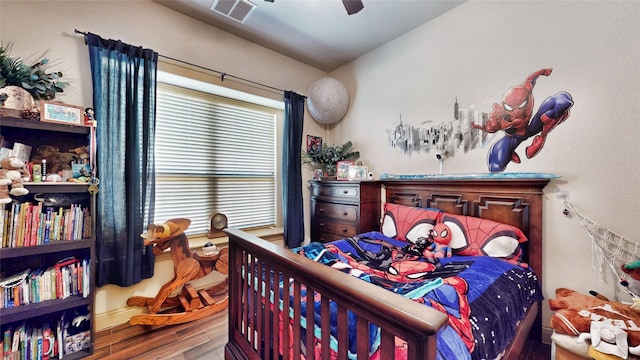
<point x="218" y="223"/>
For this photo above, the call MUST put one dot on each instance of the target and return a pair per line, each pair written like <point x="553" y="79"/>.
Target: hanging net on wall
<point x="609" y="250"/>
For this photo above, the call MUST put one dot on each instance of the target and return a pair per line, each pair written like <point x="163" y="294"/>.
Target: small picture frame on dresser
<point x="357" y="172"/>
<point x="342" y="169"/>
<point x="318" y="174"/>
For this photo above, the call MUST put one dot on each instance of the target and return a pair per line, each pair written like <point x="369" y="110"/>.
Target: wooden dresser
<point x="341" y="209"/>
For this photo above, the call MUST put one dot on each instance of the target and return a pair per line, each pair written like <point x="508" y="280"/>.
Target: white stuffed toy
<point x="12" y="174"/>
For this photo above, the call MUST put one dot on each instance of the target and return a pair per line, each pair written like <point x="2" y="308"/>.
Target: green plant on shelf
<point x="35" y="78"/>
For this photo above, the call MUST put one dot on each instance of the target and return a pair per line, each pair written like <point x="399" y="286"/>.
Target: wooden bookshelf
<point x="15" y="259"/>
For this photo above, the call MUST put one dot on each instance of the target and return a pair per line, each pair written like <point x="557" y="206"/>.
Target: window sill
<point x="196" y="242"/>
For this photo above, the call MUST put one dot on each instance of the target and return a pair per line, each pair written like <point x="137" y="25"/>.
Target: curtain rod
<point x="223" y="74"/>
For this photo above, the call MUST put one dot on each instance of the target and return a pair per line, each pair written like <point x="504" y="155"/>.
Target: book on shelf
<point x="68" y="277"/>
<point x="86" y="275"/>
<point x="3" y="216"/>
<point x="28" y="224"/>
<point x="15" y="343"/>
<point x="13" y="286"/>
<point x="35" y="340"/>
<point x="6" y="341"/>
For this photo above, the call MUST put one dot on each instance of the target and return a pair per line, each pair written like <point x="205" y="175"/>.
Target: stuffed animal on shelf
<point x="12" y="174"/>
<point x="56" y="160"/>
<point x="81" y="153"/>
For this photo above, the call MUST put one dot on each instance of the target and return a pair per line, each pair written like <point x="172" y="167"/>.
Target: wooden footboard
<point x="254" y="328"/>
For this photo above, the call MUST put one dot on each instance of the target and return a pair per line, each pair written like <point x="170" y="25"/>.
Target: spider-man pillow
<point x="408" y="223"/>
<point x="472" y="236"/>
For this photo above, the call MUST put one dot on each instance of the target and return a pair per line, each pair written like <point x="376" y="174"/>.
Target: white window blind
<point x="214" y="154"/>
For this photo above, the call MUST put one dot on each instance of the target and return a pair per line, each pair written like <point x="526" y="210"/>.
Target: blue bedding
<point x="484" y="298"/>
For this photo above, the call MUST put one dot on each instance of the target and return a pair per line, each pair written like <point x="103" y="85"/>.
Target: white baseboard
<point x="115" y="317"/>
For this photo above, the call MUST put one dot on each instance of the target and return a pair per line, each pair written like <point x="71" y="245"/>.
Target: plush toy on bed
<point x="12" y="174"/>
<point x="440" y="238"/>
<point x="416" y="248"/>
<point x="436" y="245"/>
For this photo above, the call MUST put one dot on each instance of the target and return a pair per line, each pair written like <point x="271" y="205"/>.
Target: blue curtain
<point x="292" y="172"/>
<point x="124" y="93"/>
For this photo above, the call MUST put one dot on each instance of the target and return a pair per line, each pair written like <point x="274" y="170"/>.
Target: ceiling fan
<point x="353" y="6"/>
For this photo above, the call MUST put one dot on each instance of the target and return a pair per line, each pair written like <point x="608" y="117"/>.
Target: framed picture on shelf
<point x="314" y="143"/>
<point x="357" y="172"/>
<point x="57" y="112"/>
<point x="342" y="169"/>
<point x="317" y="174"/>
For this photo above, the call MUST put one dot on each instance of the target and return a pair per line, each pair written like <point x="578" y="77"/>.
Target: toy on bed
<point x="440" y="239"/>
<point x="196" y="279"/>
<point x="458" y="234"/>
<point x="435" y="245"/>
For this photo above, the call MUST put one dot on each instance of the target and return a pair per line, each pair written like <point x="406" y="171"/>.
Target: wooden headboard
<point x="516" y="202"/>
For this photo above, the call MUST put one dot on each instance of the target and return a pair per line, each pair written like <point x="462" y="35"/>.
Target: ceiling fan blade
<point x="353" y="6"/>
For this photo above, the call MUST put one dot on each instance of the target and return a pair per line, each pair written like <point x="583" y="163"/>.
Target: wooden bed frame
<point x="254" y="330"/>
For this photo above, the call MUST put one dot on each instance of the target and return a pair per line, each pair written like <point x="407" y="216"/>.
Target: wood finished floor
<point x="203" y="339"/>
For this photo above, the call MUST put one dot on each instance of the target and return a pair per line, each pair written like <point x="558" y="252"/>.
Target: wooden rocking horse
<point x="197" y="279"/>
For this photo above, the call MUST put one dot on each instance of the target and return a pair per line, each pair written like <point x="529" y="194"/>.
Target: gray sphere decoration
<point x="327" y="100"/>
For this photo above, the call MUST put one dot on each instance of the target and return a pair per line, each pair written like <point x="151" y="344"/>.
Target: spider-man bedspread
<point x="484" y="297"/>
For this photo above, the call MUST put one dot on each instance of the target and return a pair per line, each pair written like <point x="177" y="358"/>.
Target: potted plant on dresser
<point x="327" y="157"/>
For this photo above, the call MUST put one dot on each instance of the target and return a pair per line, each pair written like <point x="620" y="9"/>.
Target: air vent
<point x="238" y="10"/>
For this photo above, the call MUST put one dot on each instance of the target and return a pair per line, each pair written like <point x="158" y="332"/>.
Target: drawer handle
<point x="322" y="192"/>
<point x="345" y="191"/>
<point x="345" y="229"/>
<point x="345" y="213"/>
<point x="321" y="210"/>
<point x="322" y="225"/>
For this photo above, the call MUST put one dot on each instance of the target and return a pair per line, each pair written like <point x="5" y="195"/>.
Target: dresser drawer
<point x="325" y="237"/>
<point x="341" y="230"/>
<point x="337" y="211"/>
<point x="345" y="192"/>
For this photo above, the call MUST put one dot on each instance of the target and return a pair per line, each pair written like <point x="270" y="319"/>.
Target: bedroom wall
<point x="475" y="53"/>
<point x="37" y="26"/>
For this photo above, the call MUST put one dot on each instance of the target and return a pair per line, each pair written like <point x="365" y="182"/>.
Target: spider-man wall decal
<point x="514" y="117"/>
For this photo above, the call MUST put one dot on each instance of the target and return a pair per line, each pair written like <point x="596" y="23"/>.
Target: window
<point x="215" y="154"/>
